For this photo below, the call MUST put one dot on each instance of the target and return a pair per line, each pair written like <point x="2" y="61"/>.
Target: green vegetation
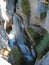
<point x="43" y="47"/>
<point x="16" y="55"/>
<point x="25" y="7"/>
<point x="35" y="35"/>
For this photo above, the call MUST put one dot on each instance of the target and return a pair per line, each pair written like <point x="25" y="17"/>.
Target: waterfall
<point x="16" y="34"/>
<point x="20" y="41"/>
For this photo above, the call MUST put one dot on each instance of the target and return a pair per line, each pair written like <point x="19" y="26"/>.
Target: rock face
<point x="34" y="7"/>
<point x="35" y="14"/>
<point x="44" y="60"/>
<point x="3" y="36"/>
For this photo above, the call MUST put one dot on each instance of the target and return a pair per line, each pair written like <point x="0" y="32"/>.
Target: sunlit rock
<point x="34" y="7"/>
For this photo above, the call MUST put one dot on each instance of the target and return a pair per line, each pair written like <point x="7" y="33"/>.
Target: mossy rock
<point x="16" y="55"/>
<point x="43" y="47"/>
<point x="33" y="33"/>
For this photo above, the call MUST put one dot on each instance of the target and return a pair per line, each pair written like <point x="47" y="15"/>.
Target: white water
<point x="3" y="10"/>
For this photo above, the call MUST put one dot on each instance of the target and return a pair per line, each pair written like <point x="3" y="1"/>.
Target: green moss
<point x="33" y="33"/>
<point x="43" y="47"/>
<point x="25" y="6"/>
<point x="16" y="55"/>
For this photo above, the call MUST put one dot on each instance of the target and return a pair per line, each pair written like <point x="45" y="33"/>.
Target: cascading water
<point x="16" y="35"/>
<point x="19" y="39"/>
